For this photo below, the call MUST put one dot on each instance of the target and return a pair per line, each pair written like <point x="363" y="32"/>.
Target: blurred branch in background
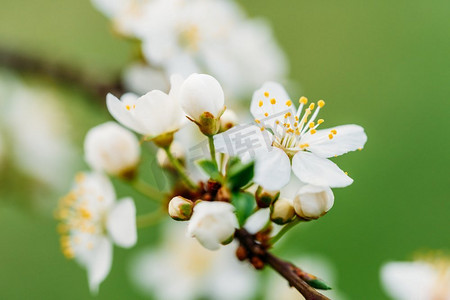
<point x="59" y="72"/>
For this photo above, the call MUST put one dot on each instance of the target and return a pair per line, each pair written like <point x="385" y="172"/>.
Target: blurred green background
<point x="382" y="64"/>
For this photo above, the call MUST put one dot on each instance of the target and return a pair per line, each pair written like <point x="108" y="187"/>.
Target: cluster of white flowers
<point x="188" y="36"/>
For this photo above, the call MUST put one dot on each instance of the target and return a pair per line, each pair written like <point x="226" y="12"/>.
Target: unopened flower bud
<point x="202" y="99"/>
<point x="112" y="149"/>
<point x="282" y="211"/>
<point x="180" y="208"/>
<point x="213" y="223"/>
<point x="177" y="151"/>
<point x="312" y="202"/>
<point x="228" y="120"/>
<point x="265" y="198"/>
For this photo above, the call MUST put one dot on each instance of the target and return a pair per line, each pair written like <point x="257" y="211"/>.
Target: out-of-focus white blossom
<point x="139" y="78"/>
<point x="211" y="36"/>
<point x="182" y="269"/>
<point x="112" y="149"/>
<point x="213" y="223"/>
<point x="153" y="115"/>
<point x="418" y="280"/>
<point x="228" y="120"/>
<point x="177" y="150"/>
<point x="312" y="202"/>
<point x="35" y="126"/>
<point x="287" y="138"/>
<point x="91" y="220"/>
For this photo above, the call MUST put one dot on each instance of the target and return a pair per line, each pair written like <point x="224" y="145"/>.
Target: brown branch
<point x="59" y="72"/>
<point x="284" y="268"/>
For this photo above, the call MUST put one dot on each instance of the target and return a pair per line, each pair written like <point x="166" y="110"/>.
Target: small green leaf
<point x="240" y="174"/>
<point x="318" y="284"/>
<point x="244" y="204"/>
<point x="210" y="168"/>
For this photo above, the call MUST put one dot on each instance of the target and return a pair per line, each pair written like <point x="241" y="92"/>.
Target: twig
<point x="59" y="72"/>
<point x="284" y="268"/>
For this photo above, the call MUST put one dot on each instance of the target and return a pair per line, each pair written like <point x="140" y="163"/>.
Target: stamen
<point x="303" y="100"/>
<point x="257" y="121"/>
<point x="311" y="125"/>
<point x="266" y="94"/>
<point x="330" y="136"/>
<point x="321" y="103"/>
<point x="266" y="114"/>
<point x="288" y="103"/>
<point x="273" y="101"/>
<point x="333" y="131"/>
<point x="127" y="107"/>
<point x="320" y="121"/>
<point x="261" y="103"/>
<point x="311" y="106"/>
<point x="312" y="131"/>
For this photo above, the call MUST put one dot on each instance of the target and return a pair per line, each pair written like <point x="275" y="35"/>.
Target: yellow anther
<point x="296" y="118"/>
<point x="68" y="253"/>
<point x="127" y="107"/>
<point x="311" y="125"/>
<point x="290" y="131"/>
<point x="312" y="131"/>
<point x="321" y="103"/>
<point x="359" y="149"/>
<point x="311" y="106"/>
<point x="303" y="100"/>
<point x="277" y="122"/>
<point x="335" y="155"/>
<point x="346" y="173"/>
<point x="288" y="103"/>
<point x="304" y="146"/>
<point x="320" y="121"/>
<point x="330" y="136"/>
<point x="333" y="131"/>
<point x="134" y="106"/>
<point x="273" y="101"/>
<point x="288" y="125"/>
<point x="289" y="114"/>
<point x="79" y="178"/>
<point x="295" y="124"/>
<point x="266" y="114"/>
<point x="257" y="121"/>
<point x="262" y="128"/>
<point x="260" y="103"/>
<point x="62" y="228"/>
<point x="297" y="132"/>
<point x="266" y="94"/>
<point x="85" y="213"/>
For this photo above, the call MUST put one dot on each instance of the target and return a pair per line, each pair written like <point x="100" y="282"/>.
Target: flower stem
<point x="285" y="229"/>
<point x="180" y="169"/>
<point x="212" y="150"/>
<point x="147" y="190"/>
<point x="150" y="218"/>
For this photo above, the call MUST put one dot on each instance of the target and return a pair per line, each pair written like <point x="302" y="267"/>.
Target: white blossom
<point x="417" y="280"/>
<point x="312" y="202"/>
<point x="288" y="138"/>
<point x="213" y="223"/>
<point x="153" y="115"/>
<point x="182" y="269"/>
<point x="202" y="94"/>
<point x="139" y="78"/>
<point x="91" y="220"/>
<point x="112" y="149"/>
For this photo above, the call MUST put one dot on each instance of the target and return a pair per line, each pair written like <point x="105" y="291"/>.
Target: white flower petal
<point x="272" y="169"/>
<point x="244" y="141"/>
<point x="348" y="138"/>
<point x="117" y="109"/>
<point x="269" y="91"/>
<point x="121" y="223"/>
<point x="99" y="263"/>
<point x="315" y="170"/>
<point x="158" y="113"/>
<point x="201" y="93"/>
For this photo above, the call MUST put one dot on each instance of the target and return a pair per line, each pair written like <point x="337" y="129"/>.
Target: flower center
<point x="190" y="38"/>
<point x="290" y="126"/>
